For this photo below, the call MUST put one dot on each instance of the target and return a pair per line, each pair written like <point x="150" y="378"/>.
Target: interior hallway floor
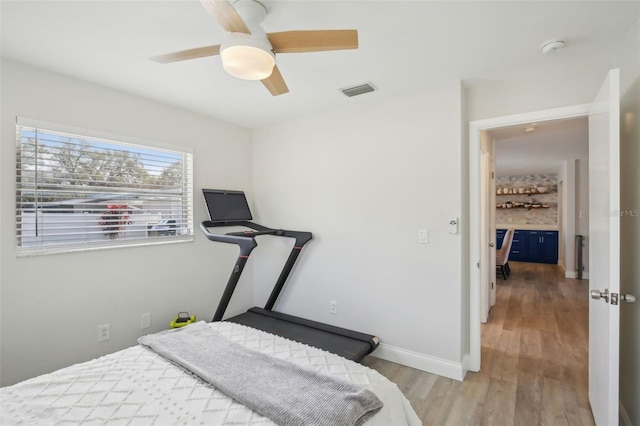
<point x="534" y="359"/>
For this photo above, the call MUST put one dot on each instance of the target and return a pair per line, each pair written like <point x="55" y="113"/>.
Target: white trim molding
<point x="430" y="364"/>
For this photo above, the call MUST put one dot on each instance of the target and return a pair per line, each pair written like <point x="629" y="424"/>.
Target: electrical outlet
<point x="145" y="321"/>
<point x="104" y="332"/>
<point x="333" y="306"/>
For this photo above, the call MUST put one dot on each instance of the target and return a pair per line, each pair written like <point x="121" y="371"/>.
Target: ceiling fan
<point x="249" y="53"/>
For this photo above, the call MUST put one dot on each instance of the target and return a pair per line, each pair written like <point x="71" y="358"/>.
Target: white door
<point x="488" y="234"/>
<point x="604" y="249"/>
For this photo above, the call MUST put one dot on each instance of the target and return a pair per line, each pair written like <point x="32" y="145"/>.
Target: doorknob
<point x="597" y="294"/>
<point x="629" y="298"/>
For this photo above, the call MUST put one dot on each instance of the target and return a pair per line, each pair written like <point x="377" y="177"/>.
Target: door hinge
<point x="492" y="283"/>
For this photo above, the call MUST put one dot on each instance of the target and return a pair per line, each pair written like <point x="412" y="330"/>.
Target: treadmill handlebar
<point x="247" y="244"/>
<point x="243" y="238"/>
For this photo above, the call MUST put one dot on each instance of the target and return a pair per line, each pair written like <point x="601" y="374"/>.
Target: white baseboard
<point x="441" y="367"/>
<point x="624" y="417"/>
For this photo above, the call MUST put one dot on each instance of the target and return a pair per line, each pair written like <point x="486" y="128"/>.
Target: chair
<point x="502" y="255"/>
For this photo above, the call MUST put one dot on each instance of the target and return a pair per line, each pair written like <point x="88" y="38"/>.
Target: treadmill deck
<point x="340" y="341"/>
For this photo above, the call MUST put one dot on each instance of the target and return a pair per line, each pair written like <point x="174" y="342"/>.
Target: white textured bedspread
<point x="278" y="389"/>
<point x="138" y="387"/>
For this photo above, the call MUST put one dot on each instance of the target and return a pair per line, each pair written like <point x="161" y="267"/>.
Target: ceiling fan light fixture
<point x="247" y="57"/>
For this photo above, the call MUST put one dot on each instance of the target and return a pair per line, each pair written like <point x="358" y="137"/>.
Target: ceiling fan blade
<point x="313" y="41"/>
<point x="275" y="83"/>
<point x="226" y="15"/>
<point x="183" y="55"/>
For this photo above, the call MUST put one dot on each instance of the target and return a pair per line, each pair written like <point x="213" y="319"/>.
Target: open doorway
<point x="478" y="284"/>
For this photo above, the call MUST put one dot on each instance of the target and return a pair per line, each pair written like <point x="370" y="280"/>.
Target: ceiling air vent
<point x="358" y="90"/>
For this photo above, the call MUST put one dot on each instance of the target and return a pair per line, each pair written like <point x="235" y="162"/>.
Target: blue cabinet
<point x="518" y="246"/>
<point x="549" y="247"/>
<point x="532" y="246"/>
<point x="500" y="238"/>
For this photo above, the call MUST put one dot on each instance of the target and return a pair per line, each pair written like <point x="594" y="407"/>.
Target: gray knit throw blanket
<point x="277" y="389"/>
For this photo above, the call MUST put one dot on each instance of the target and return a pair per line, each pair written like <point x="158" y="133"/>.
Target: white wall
<point x="364" y="179"/>
<point x="51" y="305"/>
<point x="534" y="92"/>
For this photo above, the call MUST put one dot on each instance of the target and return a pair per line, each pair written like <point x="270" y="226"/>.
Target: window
<point x="79" y="190"/>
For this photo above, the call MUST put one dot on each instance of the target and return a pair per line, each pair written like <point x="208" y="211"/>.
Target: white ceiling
<point x="404" y="45"/>
<point x="541" y="151"/>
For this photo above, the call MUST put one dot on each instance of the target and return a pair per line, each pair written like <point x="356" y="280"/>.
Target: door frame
<point x="476" y="264"/>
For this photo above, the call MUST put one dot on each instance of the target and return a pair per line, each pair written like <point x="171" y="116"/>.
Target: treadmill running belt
<point x="347" y="347"/>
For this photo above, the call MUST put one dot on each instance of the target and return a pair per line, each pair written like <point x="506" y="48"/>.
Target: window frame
<point x="184" y="197"/>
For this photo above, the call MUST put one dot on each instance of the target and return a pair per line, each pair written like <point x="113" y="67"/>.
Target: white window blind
<point x="76" y="190"/>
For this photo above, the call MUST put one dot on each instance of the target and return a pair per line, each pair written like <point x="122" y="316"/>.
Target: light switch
<point x="423" y="236"/>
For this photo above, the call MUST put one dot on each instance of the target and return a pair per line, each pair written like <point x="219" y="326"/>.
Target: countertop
<point x="527" y="226"/>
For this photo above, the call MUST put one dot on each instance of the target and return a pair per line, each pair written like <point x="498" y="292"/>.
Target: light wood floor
<point x="534" y="359"/>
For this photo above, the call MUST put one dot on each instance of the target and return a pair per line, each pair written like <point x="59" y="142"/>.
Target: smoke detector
<point x="552" y="46"/>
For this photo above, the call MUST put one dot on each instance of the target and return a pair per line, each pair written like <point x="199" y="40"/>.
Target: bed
<point x="138" y="386"/>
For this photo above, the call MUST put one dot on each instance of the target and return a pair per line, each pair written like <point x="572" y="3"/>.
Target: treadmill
<point x="230" y="208"/>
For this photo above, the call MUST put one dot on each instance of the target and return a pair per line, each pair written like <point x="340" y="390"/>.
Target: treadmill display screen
<point x="226" y="206"/>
